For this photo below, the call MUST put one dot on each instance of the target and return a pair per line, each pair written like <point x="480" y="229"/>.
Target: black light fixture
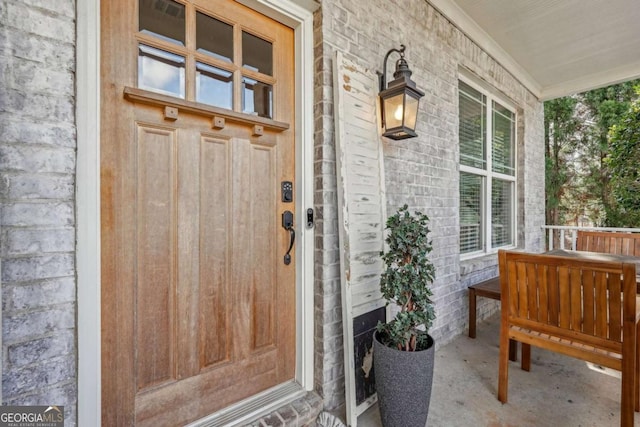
<point x="399" y="102"/>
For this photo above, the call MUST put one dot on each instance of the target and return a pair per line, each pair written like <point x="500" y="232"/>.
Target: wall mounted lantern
<point x="399" y="101"/>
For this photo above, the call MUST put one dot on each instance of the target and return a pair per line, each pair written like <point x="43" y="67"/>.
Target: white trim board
<point x="296" y="14"/>
<point x="88" y="212"/>
<point x="361" y="213"/>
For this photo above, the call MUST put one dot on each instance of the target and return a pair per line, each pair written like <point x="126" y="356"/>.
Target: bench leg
<point x="503" y="364"/>
<point x="472" y="313"/>
<point x="526" y="357"/>
<point x="627" y="404"/>
<point x="513" y="350"/>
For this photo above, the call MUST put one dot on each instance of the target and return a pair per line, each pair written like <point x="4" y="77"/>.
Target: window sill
<point x="478" y="262"/>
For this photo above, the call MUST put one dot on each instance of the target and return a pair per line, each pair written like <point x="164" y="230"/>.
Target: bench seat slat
<point x="599" y="356"/>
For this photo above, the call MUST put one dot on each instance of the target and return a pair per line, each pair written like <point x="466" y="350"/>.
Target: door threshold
<point x="254" y="407"/>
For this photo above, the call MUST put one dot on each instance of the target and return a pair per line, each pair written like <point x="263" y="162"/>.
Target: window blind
<point x="471" y="212"/>
<point x="472" y="119"/>
<point x="501" y="213"/>
<point x="502" y="140"/>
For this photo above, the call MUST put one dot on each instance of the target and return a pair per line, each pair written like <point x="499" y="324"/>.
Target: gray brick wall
<point x="329" y="375"/>
<point x="37" y="211"/>
<point x="422" y="172"/>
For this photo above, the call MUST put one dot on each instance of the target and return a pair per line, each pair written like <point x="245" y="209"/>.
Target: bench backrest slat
<point x="570" y="297"/>
<point x="609" y="242"/>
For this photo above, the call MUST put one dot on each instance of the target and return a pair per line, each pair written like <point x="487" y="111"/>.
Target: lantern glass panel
<point x="394" y="111"/>
<point x="411" y="113"/>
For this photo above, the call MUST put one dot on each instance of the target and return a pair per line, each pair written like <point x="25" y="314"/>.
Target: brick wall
<point x="422" y="172"/>
<point x="37" y="170"/>
<point x="329" y="366"/>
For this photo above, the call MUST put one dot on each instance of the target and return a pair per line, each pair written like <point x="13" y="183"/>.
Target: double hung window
<point x="487" y="171"/>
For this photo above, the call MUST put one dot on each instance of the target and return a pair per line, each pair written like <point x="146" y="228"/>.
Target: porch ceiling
<point x="555" y="47"/>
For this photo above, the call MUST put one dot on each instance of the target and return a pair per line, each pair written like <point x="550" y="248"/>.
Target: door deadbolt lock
<point x="286" y="188"/>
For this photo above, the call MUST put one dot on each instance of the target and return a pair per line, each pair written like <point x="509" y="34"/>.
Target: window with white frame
<point x="487" y="171"/>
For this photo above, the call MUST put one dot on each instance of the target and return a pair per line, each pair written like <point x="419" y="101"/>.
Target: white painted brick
<point x="38" y="295"/>
<point x="39" y="22"/>
<point x="16" y="130"/>
<point x="37" y="207"/>
<point x="38" y="350"/>
<point x="22" y="327"/>
<point x="46" y="107"/>
<point x="24" y="379"/>
<point x="38" y="186"/>
<point x="37" y="214"/>
<point x="21" y="241"/>
<point x="59" y="7"/>
<point x="37" y="268"/>
<point x="39" y="78"/>
<point x="48" y="51"/>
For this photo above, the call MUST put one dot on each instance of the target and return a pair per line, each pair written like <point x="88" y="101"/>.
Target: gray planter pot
<point x="403" y="384"/>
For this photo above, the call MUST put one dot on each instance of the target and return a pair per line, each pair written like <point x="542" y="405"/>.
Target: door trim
<point x="299" y="16"/>
<point x="88" y="212"/>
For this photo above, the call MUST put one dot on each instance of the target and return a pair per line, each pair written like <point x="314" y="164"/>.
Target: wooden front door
<point x="197" y="137"/>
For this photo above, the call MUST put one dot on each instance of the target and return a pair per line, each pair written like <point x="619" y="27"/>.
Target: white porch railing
<point x="566" y="235"/>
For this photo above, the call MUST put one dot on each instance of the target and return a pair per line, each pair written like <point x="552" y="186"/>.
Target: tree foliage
<point x="561" y="127"/>
<point x="606" y="106"/>
<point x="622" y="162"/>
<point x="406" y="281"/>
<point x="579" y="178"/>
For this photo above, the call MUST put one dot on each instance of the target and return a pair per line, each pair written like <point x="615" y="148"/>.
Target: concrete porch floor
<point x="559" y="391"/>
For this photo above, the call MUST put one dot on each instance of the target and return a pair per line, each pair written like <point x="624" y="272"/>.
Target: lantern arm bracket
<point x="382" y="77"/>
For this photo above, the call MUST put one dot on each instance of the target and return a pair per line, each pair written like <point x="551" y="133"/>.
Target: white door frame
<point x="297" y="14"/>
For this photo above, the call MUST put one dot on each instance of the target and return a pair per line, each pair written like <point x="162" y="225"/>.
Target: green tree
<point x="622" y="163"/>
<point x="605" y="108"/>
<point x="561" y="130"/>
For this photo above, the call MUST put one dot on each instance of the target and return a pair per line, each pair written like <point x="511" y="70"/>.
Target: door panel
<point x="214" y="293"/>
<point x="155" y="255"/>
<point x="198" y="307"/>
<point x="263" y="282"/>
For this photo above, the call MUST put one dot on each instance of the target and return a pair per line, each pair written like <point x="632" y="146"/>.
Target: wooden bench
<point x="616" y="243"/>
<point x="489" y="289"/>
<point x="576" y="306"/>
<point x="609" y="242"/>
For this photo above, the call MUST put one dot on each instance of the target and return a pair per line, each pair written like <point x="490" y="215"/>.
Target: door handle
<point x="287" y="224"/>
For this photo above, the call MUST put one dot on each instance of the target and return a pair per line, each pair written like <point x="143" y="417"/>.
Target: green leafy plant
<point x="622" y="163"/>
<point x="406" y="281"/>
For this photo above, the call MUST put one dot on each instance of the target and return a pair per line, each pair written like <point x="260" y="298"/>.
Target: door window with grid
<point x="190" y="54"/>
<point x="487" y="172"/>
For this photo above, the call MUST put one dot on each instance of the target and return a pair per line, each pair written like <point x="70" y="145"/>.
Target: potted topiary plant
<point x="403" y="349"/>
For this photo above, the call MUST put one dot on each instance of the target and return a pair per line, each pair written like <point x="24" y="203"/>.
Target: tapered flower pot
<point x="403" y="384"/>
